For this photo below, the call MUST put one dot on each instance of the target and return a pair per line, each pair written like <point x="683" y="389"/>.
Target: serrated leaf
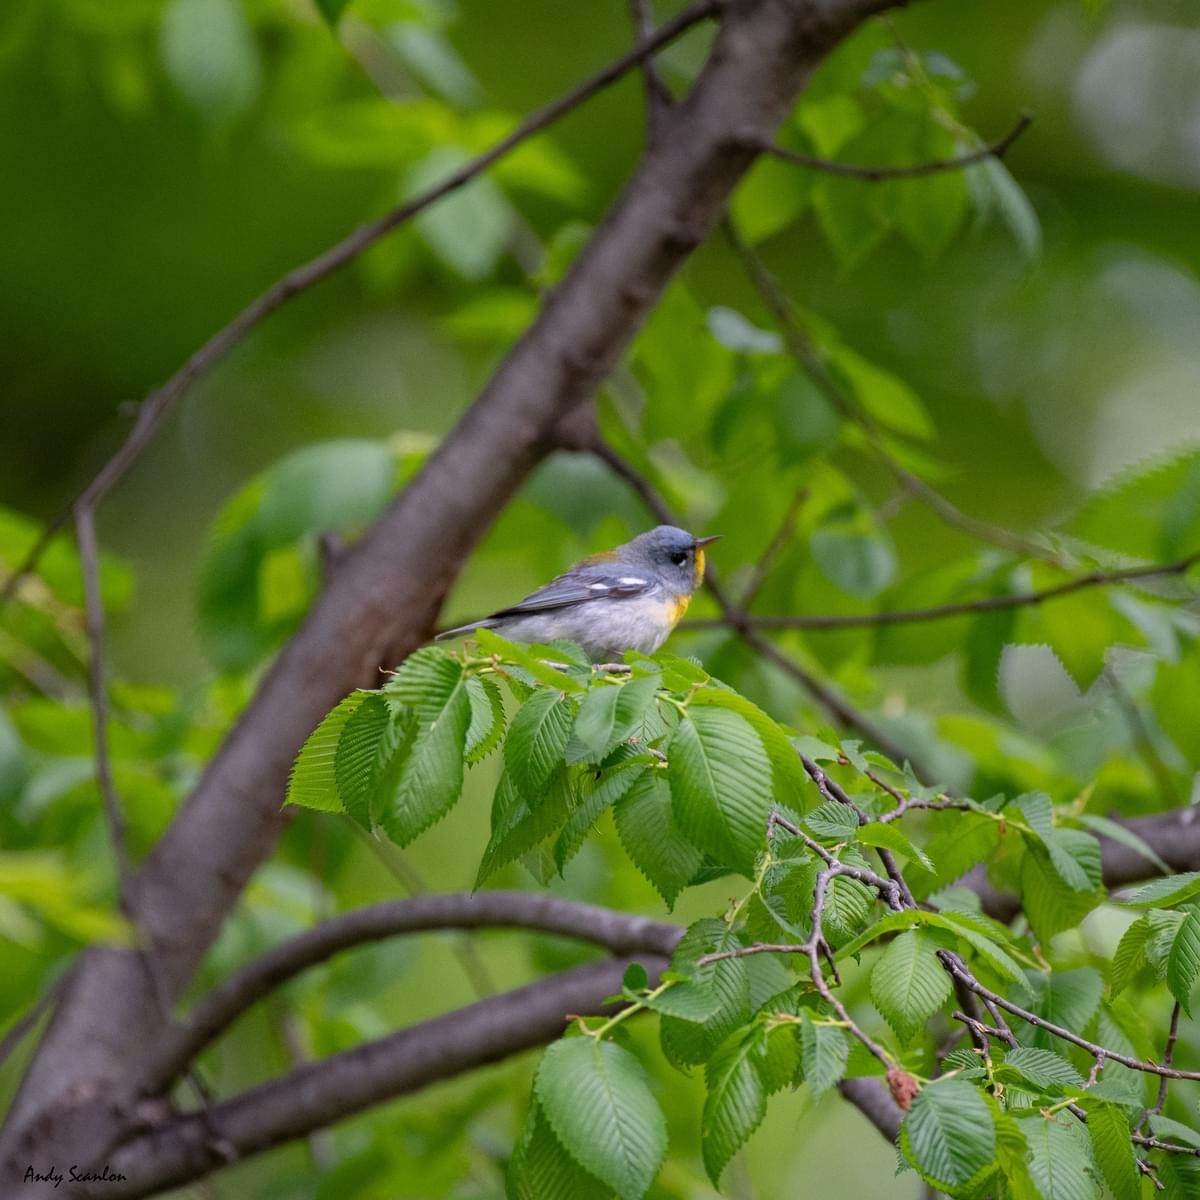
<point x="685" y="1000"/>
<point x="651" y="836"/>
<point x="948" y="1134"/>
<point x="363" y="744"/>
<point x="536" y="740"/>
<point x="824" y="1050"/>
<point x="1166" y="893"/>
<point x="541" y="1169"/>
<point x="684" y="1041"/>
<point x="736" y="1102"/>
<point x="1043" y="1068"/>
<point x="1166" y="1127"/>
<point x="1060" y="1162"/>
<point x="313" y="780"/>
<point x="847" y="903"/>
<point x="431" y="781"/>
<point x="424" y="682"/>
<point x="720" y="780"/>
<point x="1129" y="955"/>
<point x="609" y="714"/>
<point x="595" y="796"/>
<point x="598" y="1101"/>
<point x="1108" y="1129"/>
<point x="487" y="718"/>
<point x="975" y="931"/>
<point x="969" y="839"/>
<point x="517" y="826"/>
<point x="832" y="821"/>
<point x="528" y="659"/>
<point x="1051" y="904"/>
<point x="875" y="833"/>
<point x="1183" y="963"/>
<point x="908" y="983"/>
<point x="789" y="777"/>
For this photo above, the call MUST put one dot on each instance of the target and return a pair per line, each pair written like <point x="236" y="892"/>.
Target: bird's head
<point x="676" y="556"/>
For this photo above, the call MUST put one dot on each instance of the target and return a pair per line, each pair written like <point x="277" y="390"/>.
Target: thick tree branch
<point x="996" y="149"/>
<point x="484" y="910"/>
<point x="384" y="598"/>
<point x="320" y="1093"/>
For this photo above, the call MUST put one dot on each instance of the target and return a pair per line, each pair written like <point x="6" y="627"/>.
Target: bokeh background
<point x="163" y="162"/>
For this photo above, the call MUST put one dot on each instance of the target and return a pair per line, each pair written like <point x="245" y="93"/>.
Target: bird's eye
<point x="680" y="558"/>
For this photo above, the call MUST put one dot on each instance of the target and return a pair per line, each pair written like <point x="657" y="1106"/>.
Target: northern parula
<point x="629" y="598"/>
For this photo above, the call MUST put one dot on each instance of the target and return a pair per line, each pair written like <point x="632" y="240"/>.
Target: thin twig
<point x="658" y="96"/>
<point x="996" y="149"/>
<point x="89" y="560"/>
<point x="766" y="560"/>
<point x="962" y="607"/>
<point x="155" y="406"/>
<point x="1168" y="1057"/>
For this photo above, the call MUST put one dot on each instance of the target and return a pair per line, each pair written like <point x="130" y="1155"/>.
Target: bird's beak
<point x="707" y="541"/>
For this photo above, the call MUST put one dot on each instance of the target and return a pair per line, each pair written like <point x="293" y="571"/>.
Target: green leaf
<point x="332" y="10"/>
<point x="468" y="230"/>
<point x="536" y="740"/>
<point x="847" y="903"/>
<point x="824" y="1050"/>
<point x="431" y="780"/>
<point x="860" y="563"/>
<point x="1168" y="892"/>
<point x="970" y="838"/>
<point x="1108" y="1129"/>
<point x="529" y="658"/>
<point x="736" y="1102"/>
<point x="598" y="1101"/>
<point x="1051" y="904"/>
<point x="363" y="746"/>
<point x="979" y="935"/>
<point x="1183" y="963"/>
<point x="609" y="714"/>
<point x="908" y="983"/>
<point x="313" y="781"/>
<point x="1066" y="998"/>
<point x="595" y="796"/>
<point x="1130" y="955"/>
<point x="211" y="56"/>
<point x="519" y="824"/>
<point x="832" y="821"/>
<point x="686" y="1001"/>
<point x="875" y="833"/>
<point x="949" y="1134"/>
<point x="686" y="1041"/>
<point x="720" y="780"/>
<point x="651" y="836"/>
<point x="424" y="682"/>
<point x="1043" y="1068"/>
<point x="1061" y="1162"/>
<point x="1117" y="832"/>
<point x="541" y="1169"/>
<point x="487" y="718"/>
<point x="1013" y="206"/>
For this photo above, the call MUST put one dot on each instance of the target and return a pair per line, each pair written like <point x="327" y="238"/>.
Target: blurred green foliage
<point x="1021" y="336"/>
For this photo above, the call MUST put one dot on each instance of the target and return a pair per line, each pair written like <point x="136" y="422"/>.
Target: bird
<point x="628" y="598"/>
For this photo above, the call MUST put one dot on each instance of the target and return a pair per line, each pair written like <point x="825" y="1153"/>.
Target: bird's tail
<point x="487" y="623"/>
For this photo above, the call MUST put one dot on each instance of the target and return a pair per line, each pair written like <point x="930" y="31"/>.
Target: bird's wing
<point x="591" y="582"/>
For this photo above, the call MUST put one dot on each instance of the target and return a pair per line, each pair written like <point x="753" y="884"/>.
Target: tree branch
<point x="214" y="1013"/>
<point x="996" y="149"/>
<point x="961" y="608"/>
<point x="321" y="1093"/>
